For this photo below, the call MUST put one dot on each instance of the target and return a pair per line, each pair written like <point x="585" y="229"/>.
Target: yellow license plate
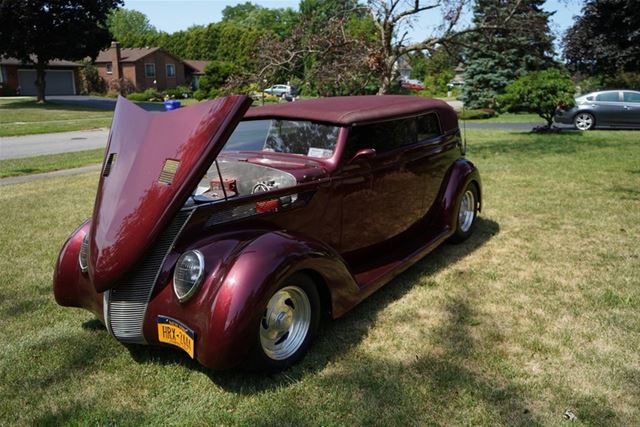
<point x="170" y="331"/>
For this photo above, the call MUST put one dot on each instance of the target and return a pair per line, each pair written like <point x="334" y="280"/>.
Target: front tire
<point x="584" y="121"/>
<point x="288" y="324"/>
<point x="466" y="214"/>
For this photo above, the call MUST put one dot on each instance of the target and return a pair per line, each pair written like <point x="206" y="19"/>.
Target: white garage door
<point x="58" y="82"/>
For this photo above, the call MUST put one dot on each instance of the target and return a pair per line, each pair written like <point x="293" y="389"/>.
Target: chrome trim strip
<point x="105" y="310"/>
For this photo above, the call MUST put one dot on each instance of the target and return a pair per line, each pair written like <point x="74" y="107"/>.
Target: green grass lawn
<point x="22" y="116"/>
<point x="25" y="117"/>
<point x="510" y="118"/>
<point x="48" y="163"/>
<point x="537" y="313"/>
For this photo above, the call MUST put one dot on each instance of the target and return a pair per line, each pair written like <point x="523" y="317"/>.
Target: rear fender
<point x="459" y="175"/>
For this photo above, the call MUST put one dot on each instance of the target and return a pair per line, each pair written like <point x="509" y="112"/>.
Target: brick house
<point x="147" y="67"/>
<point x="198" y="71"/>
<point x="62" y="77"/>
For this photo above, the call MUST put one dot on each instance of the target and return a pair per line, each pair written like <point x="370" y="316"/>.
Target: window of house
<point x="2" y="76"/>
<point x="150" y="70"/>
<point x="171" y="70"/>
<point x="109" y="68"/>
<point x="608" y="97"/>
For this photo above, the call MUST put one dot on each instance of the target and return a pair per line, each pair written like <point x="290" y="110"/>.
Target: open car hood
<point x="152" y="163"/>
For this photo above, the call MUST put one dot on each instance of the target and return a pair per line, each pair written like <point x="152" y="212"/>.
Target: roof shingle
<point x="126" y="54"/>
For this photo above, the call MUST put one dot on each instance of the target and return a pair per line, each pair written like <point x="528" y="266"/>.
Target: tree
<point x="435" y="68"/>
<point x="131" y="28"/>
<point x="539" y="92"/>
<point x="215" y="77"/>
<point x="392" y="19"/>
<point x="38" y="31"/>
<point x="496" y="57"/>
<point x="605" y="39"/>
<point x="330" y="61"/>
<point x="248" y="15"/>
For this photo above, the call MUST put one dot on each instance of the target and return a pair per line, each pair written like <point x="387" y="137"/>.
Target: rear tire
<point x="288" y="325"/>
<point x="584" y="121"/>
<point x="466" y="214"/>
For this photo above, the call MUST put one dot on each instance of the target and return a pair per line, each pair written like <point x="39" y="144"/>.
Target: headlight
<point x="188" y="275"/>
<point x="83" y="256"/>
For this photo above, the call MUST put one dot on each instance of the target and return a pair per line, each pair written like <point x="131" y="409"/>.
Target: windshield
<point x="284" y="136"/>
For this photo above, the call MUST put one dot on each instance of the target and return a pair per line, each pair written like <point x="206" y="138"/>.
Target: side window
<point x="631" y="97"/>
<point x="608" y="97"/>
<point x="381" y="136"/>
<point x="428" y="126"/>
<point x="150" y="70"/>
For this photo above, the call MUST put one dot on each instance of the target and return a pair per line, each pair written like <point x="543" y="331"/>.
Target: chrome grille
<point x="127" y="303"/>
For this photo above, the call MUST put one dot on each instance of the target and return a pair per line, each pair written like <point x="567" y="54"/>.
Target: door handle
<point x="626" y="107"/>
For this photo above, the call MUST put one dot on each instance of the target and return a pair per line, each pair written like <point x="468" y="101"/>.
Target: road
<point x="36" y="145"/>
<point x="12" y="147"/>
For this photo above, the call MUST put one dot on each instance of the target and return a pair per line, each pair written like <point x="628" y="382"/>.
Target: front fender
<point x="71" y="287"/>
<point x="242" y="274"/>
<point x="256" y="274"/>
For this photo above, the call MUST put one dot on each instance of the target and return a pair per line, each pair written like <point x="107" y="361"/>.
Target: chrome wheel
<point x="583" y="121"/>
<point x="467" y="211"/>
<point x="285" y="323"/>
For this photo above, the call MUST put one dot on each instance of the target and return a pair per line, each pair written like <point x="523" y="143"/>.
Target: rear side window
<point x="608" y="97"/>
<point x="382" y="136"/>
<point x="631" y="97"/>
<point x="428" y="126"/>
<point x="387" y="136"/>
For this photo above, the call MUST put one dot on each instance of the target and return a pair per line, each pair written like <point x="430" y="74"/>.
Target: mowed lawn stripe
<point x="50" y="162"/>
<point x="535" y="314"/>
<point x="25" y="117"/>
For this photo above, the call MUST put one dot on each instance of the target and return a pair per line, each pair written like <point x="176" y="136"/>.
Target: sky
<point x="173" y="15"/>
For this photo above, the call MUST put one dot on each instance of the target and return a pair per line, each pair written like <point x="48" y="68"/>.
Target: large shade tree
<point x="131" y="28"/>
<point x="38" y="31"/>
<point x="332" y="60"/>
<point x="605" y="39"/>
<point x="498" y="56"/>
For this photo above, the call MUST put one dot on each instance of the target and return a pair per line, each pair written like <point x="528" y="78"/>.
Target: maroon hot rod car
<point x="228" y="232"/>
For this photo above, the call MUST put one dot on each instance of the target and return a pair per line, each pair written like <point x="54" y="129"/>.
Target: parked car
<point x="229" y="232"/>
<point x="412" y="84"/>
<point x="606" y="109"/>
<point x="281" y="90"/>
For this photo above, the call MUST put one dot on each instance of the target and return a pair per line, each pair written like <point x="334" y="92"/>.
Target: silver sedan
<point x="606" y="109"/>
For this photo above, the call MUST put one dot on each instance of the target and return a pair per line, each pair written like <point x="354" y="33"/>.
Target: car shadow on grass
<point x="336" y="337"/>
<point x="457" y="378"/>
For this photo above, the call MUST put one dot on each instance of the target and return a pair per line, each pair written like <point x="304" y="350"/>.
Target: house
<point x="197" y="72"/>
<point x="458" y="78"/>
<point x="403" y="68"/>
<point x="17" y="77"/>
<point x="146" y="67"/>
